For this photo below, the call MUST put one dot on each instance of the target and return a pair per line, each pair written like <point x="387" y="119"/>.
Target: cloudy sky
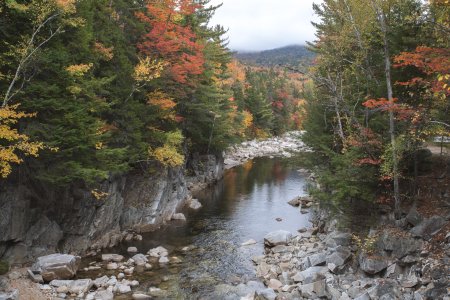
<point x="265" y="24"/>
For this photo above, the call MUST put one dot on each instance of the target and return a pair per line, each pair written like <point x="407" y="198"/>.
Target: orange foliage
<point x="172" y="40"/>
<point x="434" y="63"/>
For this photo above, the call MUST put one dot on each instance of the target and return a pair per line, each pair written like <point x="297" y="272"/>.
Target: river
<point x="244" y="205"/>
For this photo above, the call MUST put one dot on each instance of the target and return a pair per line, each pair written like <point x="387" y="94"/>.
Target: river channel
<point x="249" y="202"/>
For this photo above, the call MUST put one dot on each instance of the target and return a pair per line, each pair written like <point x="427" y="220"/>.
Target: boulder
<point x="313" y="290"/>
<point x="372" y="265"/>
<point x="56" y="266"/>
<point x="123" y="288"/>
<point x="179" y="216"/>
<point x="266" y="294"/>
<point x="132" y="250"/>
<point x="428" y="227"/>
<point x="12" y="295"/>
<point x="310" y="275"/>
<point x="73" y="286"/>
<point x="158" y="252"/>
<point x="413" y="217"/>
<point x="112" y="257"/>
<point x="104" y="295"/>
<point x="140" y="259"/>
<point x="194" y="204"/>
<point x="274" y="284"/>
<point x="318" y="259"/>
<point x="112" y="266"/>
<point x="101" y="281"/>
<point x="279" y="237"/>
<point x="294" y="202"/>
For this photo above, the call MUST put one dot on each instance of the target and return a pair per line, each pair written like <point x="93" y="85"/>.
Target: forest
<point x="380" y="94"/>
<point x="93" y="88"/>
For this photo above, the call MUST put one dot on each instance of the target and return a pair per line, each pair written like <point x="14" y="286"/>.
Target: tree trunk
<point x="387" y="70"/>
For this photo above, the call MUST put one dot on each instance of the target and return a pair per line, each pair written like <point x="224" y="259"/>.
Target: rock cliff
<point x="37" y="219"/>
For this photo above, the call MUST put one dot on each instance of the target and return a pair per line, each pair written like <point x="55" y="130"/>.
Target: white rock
<point x="112" y="257"/>
<point x="163" y="260"/>
<point x="158" y="252"/>
<point x="112" y="266"/>
<point x="123" y="288"/>
<point x="120" y="276"/>
<point x="179" y="216"/>
<point x="132" y="250"/>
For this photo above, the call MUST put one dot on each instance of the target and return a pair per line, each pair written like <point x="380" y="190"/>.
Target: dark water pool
<point x="242" y="206"/>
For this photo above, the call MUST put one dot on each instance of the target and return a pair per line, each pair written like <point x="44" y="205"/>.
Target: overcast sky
<point x="265" y="24"/>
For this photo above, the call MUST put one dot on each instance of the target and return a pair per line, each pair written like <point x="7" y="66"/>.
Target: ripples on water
<point x="242" y="206"/>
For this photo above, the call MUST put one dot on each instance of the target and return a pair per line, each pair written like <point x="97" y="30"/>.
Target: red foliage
<point x="278" y="104"/>
<point x="172" y="40"/>
<point x="432" y="62"/>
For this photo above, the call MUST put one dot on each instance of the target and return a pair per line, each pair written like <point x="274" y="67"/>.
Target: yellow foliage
<point x="79" y="70"/>
<point x="247" y="121"/>
<point x="12" y="141"/>
<point x="167" y="155"/>
<point x="99" y="195"/>
<point x="148" y="69"/>
<point x="67" y="6"/>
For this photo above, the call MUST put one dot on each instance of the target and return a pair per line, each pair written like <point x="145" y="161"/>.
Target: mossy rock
<point x="4" y="267"/>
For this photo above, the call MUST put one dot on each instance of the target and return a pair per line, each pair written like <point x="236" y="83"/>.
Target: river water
<point x="243" y="205"/>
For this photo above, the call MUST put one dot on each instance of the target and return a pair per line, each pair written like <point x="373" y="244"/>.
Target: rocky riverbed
<point x="282" y="146"/>
<point x="390" y="263"/>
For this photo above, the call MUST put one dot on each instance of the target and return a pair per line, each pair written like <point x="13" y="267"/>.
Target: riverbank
<point x="283" y="146"/>
<point x="123" y="287"/>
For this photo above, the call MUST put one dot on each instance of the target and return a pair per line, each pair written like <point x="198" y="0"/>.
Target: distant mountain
<point x="292" y="56"/>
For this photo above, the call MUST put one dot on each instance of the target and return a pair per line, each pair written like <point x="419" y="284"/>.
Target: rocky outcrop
<point x="38" y="219"/>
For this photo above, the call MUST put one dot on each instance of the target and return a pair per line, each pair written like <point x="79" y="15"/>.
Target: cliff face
<point x="36" y="219"/>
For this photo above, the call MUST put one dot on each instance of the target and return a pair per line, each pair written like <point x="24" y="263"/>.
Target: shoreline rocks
<point x="323" y="262"/>
<point x="282" y="146"/>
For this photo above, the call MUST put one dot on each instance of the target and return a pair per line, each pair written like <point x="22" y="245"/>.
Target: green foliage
<point x="4" y="267"/>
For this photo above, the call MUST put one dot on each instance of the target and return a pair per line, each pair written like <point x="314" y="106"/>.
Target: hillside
<point x="294" y="56"/>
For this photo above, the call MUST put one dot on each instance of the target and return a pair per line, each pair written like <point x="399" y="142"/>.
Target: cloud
<point x="265" y="24"/>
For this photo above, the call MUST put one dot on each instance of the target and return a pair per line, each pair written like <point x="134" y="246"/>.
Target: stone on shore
<point x="140" y="259"/>
<point x="179" y="216"/>
<point x="56" y="266"/>
<point x="279" y="237"/>
<point x="194" y="204"/>
<point x="132" y="250"/>
<point x="112" y="257"/>
<point x="104" y="295"/>
<point x="158" y="252"/>
<point x="372" y="266"/>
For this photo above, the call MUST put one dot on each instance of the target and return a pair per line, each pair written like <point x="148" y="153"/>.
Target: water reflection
<point x="242" y="206"/>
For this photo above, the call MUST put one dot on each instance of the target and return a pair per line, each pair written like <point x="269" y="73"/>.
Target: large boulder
<point x="428" y="227"/>
<point x="397" y="247"/>
<point x="372" y="265"/>
<point x="56" y="266"/>
<point x="279" y="237"/>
